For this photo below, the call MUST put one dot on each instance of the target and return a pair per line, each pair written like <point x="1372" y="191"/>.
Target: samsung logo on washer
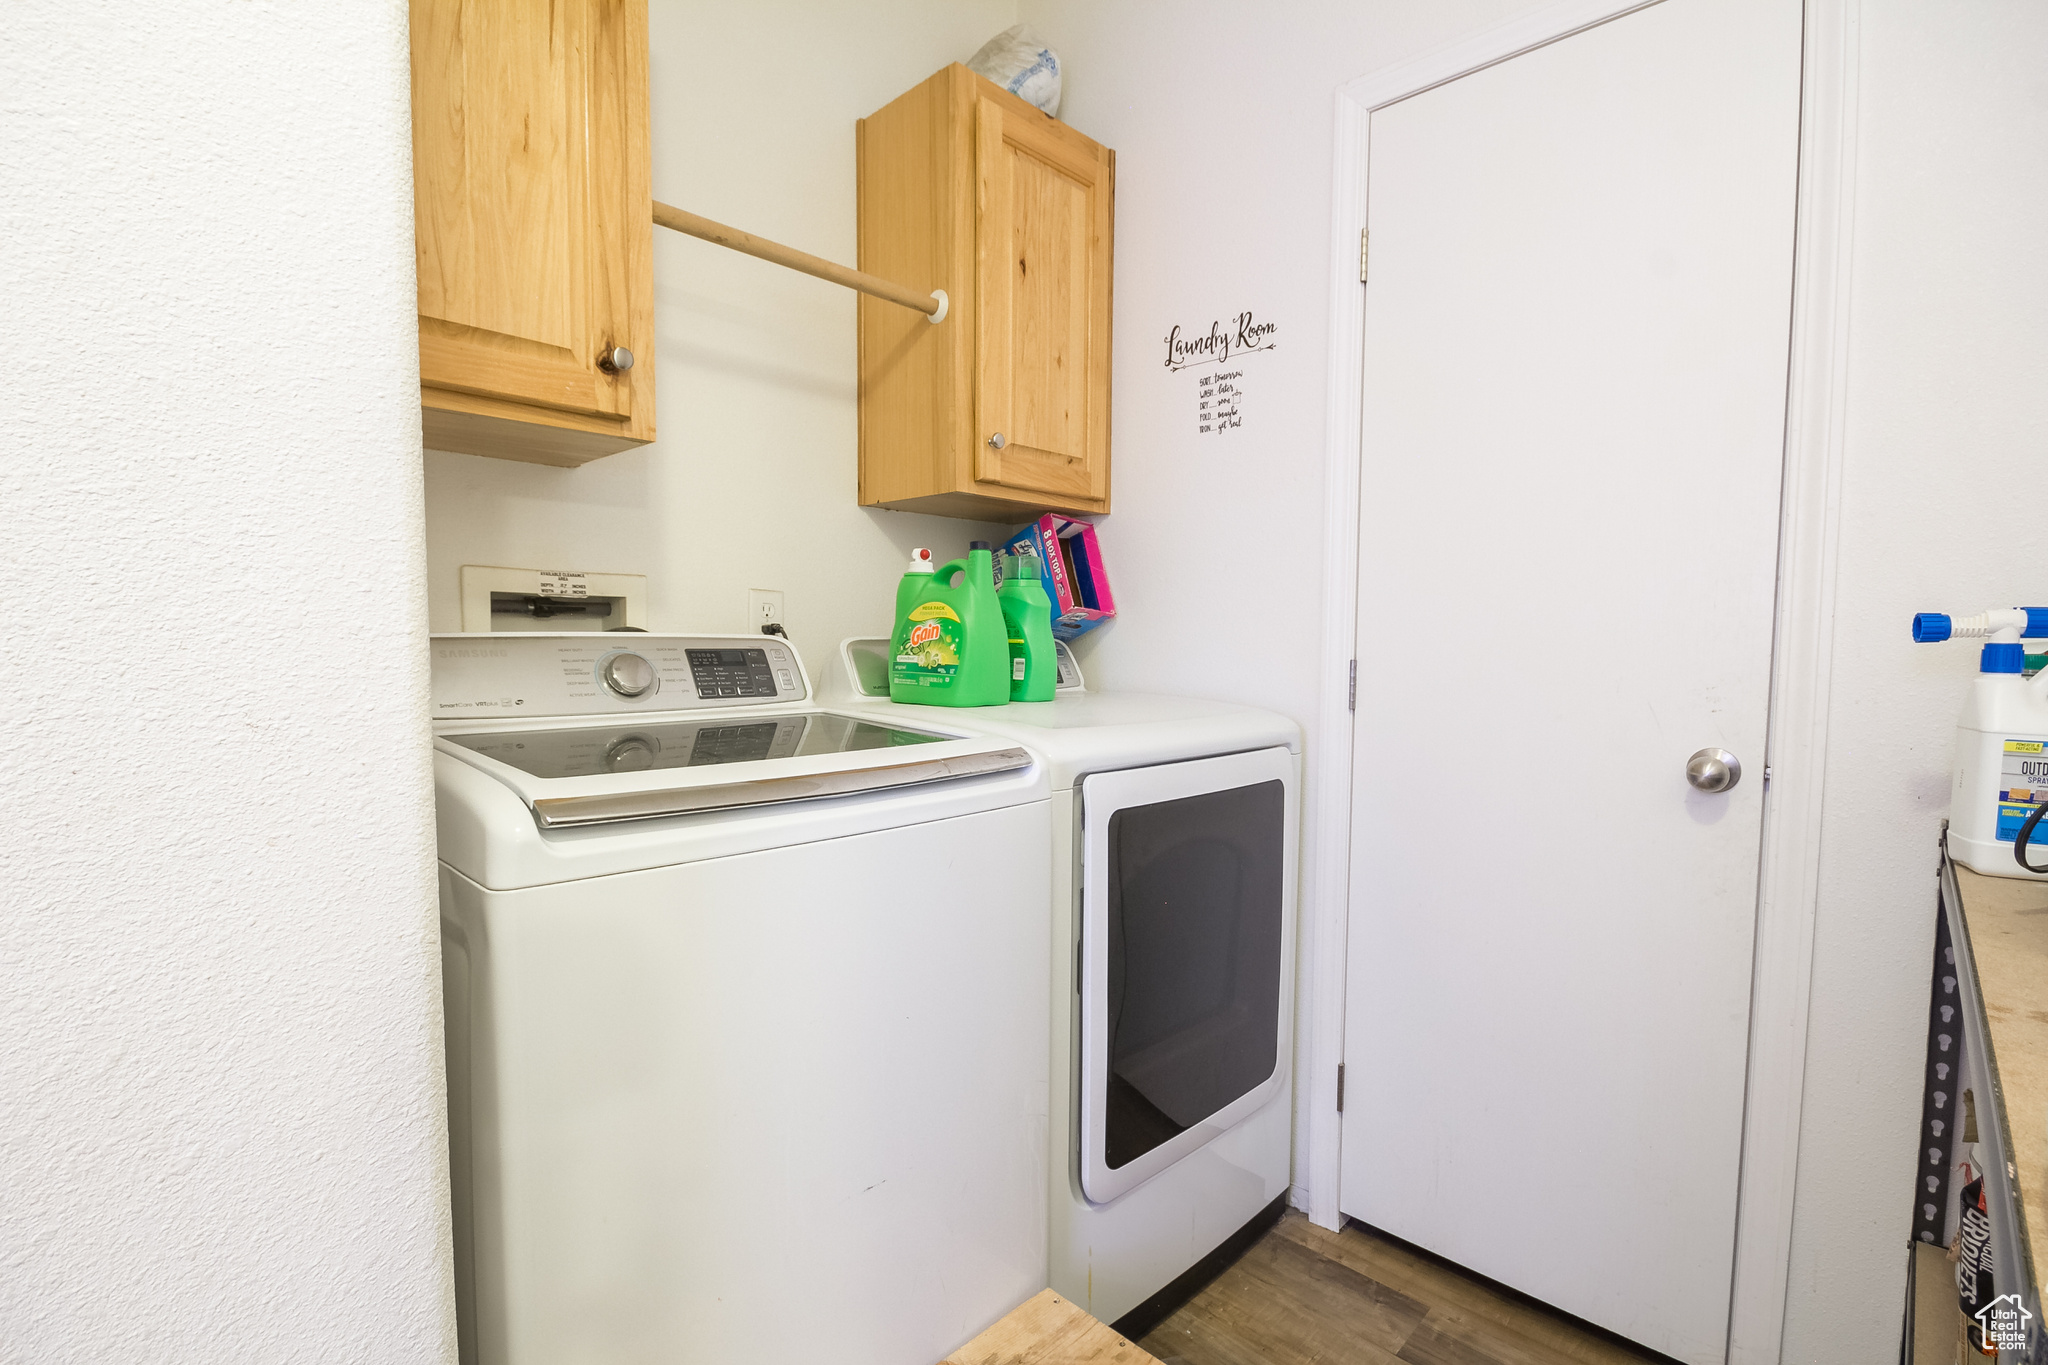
<point x="447" y="653"/>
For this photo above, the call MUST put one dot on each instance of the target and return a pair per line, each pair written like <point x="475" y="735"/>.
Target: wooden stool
<point x="1047" y="1330"/>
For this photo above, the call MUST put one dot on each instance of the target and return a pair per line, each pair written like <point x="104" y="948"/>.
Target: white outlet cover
<point x="764" y="605"/>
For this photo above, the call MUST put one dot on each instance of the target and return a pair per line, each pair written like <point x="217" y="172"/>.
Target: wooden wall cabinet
<point x="533" y="218"/>
<point x="1001" y="410"/>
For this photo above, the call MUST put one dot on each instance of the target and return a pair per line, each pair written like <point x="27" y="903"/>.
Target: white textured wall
<point x="752" y="482"/>
<point x="221" y="1122"/>
<point x="1941" y="511"/>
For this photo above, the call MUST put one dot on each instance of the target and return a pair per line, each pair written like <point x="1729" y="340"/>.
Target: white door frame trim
<point x="1802" y="668"/>
<point x="1803" y="635"/>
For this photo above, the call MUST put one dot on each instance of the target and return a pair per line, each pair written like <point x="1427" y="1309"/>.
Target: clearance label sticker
<point x="562" y="583"/>
<point x="2022" y="785"/>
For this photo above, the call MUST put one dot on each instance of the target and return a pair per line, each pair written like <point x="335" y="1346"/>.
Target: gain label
<point x="930" y="656"/>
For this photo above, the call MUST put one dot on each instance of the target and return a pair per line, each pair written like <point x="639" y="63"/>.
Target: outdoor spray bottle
<point x="2000" y="778"/>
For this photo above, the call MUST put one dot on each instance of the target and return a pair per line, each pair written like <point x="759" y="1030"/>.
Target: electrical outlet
<point x="764" y="607"/>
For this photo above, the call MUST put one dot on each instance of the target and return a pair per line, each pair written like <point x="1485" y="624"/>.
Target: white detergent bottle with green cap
<point x="2000" y="782"/>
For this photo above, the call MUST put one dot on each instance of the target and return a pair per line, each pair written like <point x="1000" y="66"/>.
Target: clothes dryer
<point x="1174" y="846"/>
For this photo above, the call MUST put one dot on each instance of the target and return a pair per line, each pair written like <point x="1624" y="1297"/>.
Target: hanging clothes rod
<point x="690" y="224"/>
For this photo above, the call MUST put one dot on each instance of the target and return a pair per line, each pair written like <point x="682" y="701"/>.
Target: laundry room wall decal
<point x="1215" y="357"/>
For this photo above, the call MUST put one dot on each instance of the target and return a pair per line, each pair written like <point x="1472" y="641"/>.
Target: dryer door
<point x="1187" y="945"/>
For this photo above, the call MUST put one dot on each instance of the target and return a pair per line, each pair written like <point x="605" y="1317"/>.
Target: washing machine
<point x="1173" y="855"/>
<point x="746" y="1005"/>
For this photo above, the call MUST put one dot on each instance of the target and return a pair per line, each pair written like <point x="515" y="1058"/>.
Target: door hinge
<point x="1340" y="1087"/>
<point x="1351" y="700"/>
<point x="1364" y="251"/>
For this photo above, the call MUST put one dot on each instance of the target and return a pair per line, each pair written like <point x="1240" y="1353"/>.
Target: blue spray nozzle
<point x="1932" y="627"/>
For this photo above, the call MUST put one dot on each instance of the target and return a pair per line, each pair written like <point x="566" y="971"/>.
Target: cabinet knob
<point x="997" y="441"/>
<point x="615" y="361"/>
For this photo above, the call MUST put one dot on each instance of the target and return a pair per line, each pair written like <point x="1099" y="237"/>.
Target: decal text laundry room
<point x="1219" y="392"/>
<point x="1222" y="341"/>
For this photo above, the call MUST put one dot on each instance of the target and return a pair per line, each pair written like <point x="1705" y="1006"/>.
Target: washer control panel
<point x="735" y="672"/>
<point x="587" y="673"/>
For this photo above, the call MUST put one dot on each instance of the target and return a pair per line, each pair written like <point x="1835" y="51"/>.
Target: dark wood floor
<point x="1302" y="1294"/>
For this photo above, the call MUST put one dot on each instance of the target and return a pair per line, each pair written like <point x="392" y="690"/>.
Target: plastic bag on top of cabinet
<point x="1018" y="62"/>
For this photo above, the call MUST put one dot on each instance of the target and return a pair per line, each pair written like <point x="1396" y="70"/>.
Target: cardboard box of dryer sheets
<point x="1075" y="580"/>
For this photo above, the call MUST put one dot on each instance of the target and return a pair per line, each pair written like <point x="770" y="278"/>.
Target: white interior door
<point x="1575" y="353"/>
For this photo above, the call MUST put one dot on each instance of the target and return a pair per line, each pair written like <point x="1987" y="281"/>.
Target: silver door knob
<point x="997" y="441"/>
<point x="615" y="361"/>
<point x="1713" y="770"/>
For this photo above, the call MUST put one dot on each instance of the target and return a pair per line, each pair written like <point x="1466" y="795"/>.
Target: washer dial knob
<point x="629" y="675"/>
<point x="631" y="754"/>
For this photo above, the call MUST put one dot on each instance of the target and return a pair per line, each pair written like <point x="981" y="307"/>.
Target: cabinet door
<point x="520" y="146"/>
<point x="1042" y="250"/>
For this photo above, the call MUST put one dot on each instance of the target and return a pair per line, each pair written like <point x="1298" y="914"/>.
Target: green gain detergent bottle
<point x="1027" y="615"/>
<point x="950" y="645"/>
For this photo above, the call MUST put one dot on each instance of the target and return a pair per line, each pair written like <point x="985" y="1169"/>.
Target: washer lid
<point x="688" y="742"/>
<point x="673" y="763"/>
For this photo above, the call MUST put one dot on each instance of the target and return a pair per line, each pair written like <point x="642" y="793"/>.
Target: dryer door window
<point x="1194" y="961"/>
<point x="1185" y="937"/>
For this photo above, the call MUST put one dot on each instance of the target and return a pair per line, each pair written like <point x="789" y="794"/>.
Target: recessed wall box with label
<point x="501" y="599"/>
